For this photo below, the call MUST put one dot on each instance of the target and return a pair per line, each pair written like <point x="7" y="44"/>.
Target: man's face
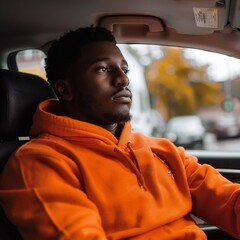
<point x="99" y="88"/>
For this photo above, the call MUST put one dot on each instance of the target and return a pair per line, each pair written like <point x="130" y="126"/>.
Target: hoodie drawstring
<point x="135" y="166"/>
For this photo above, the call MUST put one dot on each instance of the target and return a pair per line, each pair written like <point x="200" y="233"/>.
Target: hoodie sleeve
<point x="42" y="195"/>
<point x="215" y="199"/>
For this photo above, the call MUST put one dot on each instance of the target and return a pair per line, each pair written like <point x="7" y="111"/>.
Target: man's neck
<point x="115" y="129"/>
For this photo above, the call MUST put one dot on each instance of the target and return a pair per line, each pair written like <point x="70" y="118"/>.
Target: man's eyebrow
<point x="106" y="59"/>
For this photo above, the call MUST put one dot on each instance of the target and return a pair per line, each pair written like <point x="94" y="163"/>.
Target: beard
<point x="117" y="118"/>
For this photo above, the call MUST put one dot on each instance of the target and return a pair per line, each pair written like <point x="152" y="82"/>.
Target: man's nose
<point x="120" y="78"/>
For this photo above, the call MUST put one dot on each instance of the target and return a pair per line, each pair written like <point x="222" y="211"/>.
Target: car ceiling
<point x="32" y="23"/>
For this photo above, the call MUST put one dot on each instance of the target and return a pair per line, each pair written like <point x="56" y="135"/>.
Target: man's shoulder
<point x="44" y="144"/>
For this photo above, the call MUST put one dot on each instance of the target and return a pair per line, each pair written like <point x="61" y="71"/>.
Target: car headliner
<point x="32" y="23"/>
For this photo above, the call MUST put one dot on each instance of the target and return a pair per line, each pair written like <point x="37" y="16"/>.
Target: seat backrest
<point x="20" y="93"/>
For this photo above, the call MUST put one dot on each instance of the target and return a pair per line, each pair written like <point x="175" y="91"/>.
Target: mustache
<point x="123" y="89"/>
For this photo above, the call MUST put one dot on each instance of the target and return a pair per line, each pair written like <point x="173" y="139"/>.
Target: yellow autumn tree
<point x="179" y="88"/>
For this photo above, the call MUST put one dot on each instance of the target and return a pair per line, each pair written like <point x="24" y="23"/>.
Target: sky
<point x="222" y="67"/>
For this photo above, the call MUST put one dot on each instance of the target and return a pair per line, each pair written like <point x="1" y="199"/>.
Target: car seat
<point x="20" y="93"/>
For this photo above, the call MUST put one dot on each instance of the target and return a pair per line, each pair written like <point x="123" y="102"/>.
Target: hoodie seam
<point x="37" y="195"/>
<point x="50" y="216"/>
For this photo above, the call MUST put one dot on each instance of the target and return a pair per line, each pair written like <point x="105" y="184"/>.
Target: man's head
<point x="65" y="51"/>
<point x="89" y="75"/>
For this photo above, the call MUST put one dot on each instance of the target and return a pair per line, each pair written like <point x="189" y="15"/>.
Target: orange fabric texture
<point x="75" y="180"/>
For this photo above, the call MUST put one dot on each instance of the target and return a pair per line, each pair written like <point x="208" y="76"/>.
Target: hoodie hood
<point x="49" y="119"/>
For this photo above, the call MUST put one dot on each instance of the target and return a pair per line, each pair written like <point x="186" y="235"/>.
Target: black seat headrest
<point x="20" y="93"/>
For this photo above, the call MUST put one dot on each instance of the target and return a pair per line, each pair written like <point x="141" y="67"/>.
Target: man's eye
<point x="126" y="71"/>
<point x="103" y="69"/>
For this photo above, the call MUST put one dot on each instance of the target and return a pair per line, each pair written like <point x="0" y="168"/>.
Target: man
<point x="85" y="175"/>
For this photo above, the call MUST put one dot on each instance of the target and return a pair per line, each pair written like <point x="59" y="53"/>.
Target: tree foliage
<point x="179" y="88"/>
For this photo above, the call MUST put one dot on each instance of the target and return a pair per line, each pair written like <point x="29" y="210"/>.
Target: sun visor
<point x="201" y="17"/>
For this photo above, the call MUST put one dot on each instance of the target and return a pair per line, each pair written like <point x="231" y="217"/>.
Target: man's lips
<point x="123" y="96"/>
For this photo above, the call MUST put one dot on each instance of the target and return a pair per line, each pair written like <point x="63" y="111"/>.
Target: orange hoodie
<point x="76" y="181"/>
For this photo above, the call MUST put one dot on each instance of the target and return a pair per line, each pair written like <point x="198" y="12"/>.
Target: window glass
<point x="194" y="96"/>
<point x="31" y="61"/>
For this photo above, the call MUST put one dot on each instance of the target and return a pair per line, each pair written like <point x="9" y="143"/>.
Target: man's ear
<point x="63" y="90"/>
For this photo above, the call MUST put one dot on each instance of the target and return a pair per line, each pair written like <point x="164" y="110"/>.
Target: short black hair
<point x="66" y="50"/>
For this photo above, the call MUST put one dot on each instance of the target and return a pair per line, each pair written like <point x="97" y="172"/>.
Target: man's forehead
<point x="101" y="51"/>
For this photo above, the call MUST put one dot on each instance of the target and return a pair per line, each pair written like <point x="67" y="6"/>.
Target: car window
<point x="187" y="95"/>
<point x="31" y="61"/>
<point x="183" y="82"/>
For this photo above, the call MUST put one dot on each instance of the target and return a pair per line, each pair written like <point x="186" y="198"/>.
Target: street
<point x="229" y="144"/>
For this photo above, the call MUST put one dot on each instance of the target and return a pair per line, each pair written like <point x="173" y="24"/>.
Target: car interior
<point x="20" y="95"/>
<point x="208" y="25"/>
